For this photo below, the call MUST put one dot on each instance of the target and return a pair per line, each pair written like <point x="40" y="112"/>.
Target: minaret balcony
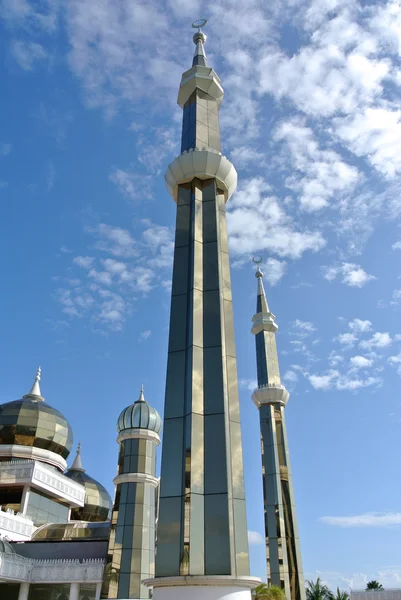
<point x="201" y="78"/>
<point x="201" y="164"/>
<point x="264" y="322"/>
<point x="270" y="394"/>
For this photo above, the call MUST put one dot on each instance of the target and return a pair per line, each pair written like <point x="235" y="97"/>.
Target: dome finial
<point x="261" y="303"/>
<point x="35" y="389"/>
<point x="199" y="39"/>
<point x="77" y="464"/>
<point x="142" y="395"/>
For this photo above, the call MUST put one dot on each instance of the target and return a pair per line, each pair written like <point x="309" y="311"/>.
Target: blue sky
<point x="311" y="119"/>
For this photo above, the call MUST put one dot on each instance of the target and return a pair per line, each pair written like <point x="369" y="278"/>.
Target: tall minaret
<point x="202" y="528"/>
<point x="131" y="552"/>
<point x="284" y="562"/>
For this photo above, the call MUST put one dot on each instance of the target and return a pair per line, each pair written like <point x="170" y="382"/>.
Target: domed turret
<point x="30" y="422"/>
<point x="97" y="499"/>
<point x="139" y="416"/>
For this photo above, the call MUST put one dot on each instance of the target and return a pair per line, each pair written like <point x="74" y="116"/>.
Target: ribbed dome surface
<point x="97" y="499"/>
<point x="31" y="422"/>
<point x="139" y="416"/>
<point x="6" y="547"/>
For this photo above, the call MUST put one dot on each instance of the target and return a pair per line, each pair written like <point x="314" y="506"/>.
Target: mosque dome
<point x="5" y="547"/>
<point x="97" y="499"/>
<point x="139" y="416"/>
<point x="32" y="422"/>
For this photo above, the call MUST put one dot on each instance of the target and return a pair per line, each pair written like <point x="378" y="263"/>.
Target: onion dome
<point x="97" y="499"/>
<point x="30" y="421"/>
<point x="139" y="416"/>
<point x="5" y="547"/>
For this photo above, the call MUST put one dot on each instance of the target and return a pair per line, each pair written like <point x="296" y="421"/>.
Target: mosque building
<point x="55" y="526"/>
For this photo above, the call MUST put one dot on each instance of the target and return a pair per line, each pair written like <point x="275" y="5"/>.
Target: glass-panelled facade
<point x="202" y="521"/>
<point x="9" y="591"/>
<point x="44" y="509"/>
<point x="87" y="591"/>
<point x="40" y="591"/>
<point x="132" y="539"/>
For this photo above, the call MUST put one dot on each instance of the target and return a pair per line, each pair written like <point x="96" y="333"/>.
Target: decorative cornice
<point x="44" y="477"/>
<point x="19" y="526"/>
<point x="264" y="322"/>
<point x="18" y="568"/>
<point x="30" y="452"/>
<point x="136" y="478"/>
<point x="201" y="164"/>
<point x="142" y="434"/>
<point x="270" y="394"/>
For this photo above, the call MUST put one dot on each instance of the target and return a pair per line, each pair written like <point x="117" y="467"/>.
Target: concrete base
<point x="198" y="587"/>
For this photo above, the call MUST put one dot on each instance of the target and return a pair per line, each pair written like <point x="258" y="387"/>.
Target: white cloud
<point x="349" y="273"/>
<point x="304" y="326"/>
<point x="341" y="382"/>
<point x="360" y="362"/>
<point x="323" y="382"/>
<point x="376" y="134"/>
<point x="249" y="384"/>
<point x="83" y="261"/>
<point x="257" y="222"/>
<point x="364" y="520"/>
<point x="360" y="326"/>
<point x="27" y="53"/>
<point x="254" y="538"/>
<point x="145" y="335"/>
<point x="378" y="340"/>
<point x="115" y="240"/>
<point x="323" y="172"/>
<point x="133" y="185"/>
<point x="396" y="246"/>
<point x="396" y="360"/>
<point x="290" y="376"/>
<point x="274" y="270"/>
<point x="347" y="339"/>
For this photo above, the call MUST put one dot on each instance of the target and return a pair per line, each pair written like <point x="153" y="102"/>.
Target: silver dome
<point x="139" y="416"/>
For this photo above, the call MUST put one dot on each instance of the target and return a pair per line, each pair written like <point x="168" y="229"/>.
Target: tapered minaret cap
<point x="199" y="40"/>
<point x="77" y="464"/>
<point x="34" y="392"/>
<point x="261" y="302"/>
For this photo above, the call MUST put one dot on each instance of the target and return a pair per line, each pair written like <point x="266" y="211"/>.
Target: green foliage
<point x="268" y="592"/>
<point x="316" y="590"/>
<point x="339" y="595"/>
<point x="373" y="586"/>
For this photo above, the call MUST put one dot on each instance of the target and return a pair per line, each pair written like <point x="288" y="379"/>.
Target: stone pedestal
<point x="197" y="587"/>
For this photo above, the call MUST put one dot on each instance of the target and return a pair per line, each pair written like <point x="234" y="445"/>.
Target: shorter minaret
<point x="131" y="553"/>
<point x="284" y="562"/>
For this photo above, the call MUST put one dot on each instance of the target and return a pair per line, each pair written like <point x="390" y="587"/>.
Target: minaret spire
<point x="202" y="528"/>
<point x="199" y="40"/>
<point x="77" y="464"/>
<point x="283" y="554"/>
<point x="34" y="392"/>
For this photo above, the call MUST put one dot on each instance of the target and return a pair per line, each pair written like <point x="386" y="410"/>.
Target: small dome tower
<point x="97" y="498"/>
<point x="134" y="510"/>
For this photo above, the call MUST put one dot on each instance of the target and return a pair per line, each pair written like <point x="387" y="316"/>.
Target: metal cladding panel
<point x="202" y="526"/>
